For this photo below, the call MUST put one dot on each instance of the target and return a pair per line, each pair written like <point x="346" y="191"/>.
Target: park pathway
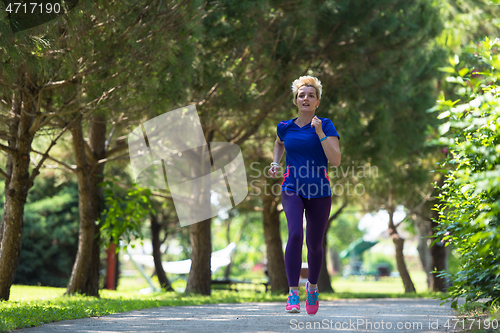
<point x="346" y="315"/>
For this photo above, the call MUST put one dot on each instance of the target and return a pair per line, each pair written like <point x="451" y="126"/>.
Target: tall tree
<point x="18" y="178"/>
<point x="388" y="193"/>
<point x="156" y="226"/>
<point x="83" y="62"/>
<point x="134" y="38"/>
<point x="22" y="93"/>
<point x="245" y="77"/>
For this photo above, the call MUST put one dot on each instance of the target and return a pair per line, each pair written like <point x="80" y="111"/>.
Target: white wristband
<point x="274" y="164"/>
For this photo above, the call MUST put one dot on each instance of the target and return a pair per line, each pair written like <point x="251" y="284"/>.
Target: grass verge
<point x="477" y="317"/>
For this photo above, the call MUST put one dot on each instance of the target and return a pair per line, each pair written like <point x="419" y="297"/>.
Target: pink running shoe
<point x="312" y="303"/>
<point x="293" y="302"/>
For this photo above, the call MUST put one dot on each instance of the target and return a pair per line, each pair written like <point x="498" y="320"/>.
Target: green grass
<point x="33" y="306"/>
<point x="478" y="317"/>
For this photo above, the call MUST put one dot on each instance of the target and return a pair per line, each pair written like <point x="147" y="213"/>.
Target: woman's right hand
<point x="273" y="170"/>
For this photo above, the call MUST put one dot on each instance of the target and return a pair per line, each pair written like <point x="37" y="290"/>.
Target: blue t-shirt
<point x="306" y="163"/>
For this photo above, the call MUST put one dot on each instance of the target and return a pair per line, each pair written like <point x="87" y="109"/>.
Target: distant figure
<point x="310" y="142"/>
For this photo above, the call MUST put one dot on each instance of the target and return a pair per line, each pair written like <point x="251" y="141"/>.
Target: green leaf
<point x="453" y="60"/>
<point x="450" y="70"/>
<point x="444" y="114"/>
<point x="463" y="71"/>
<point x="444" y="128"/>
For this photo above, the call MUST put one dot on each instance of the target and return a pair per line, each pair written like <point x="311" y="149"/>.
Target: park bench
<point x="239" y="285"/>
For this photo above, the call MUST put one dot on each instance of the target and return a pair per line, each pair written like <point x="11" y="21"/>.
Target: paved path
<point x="347" y="315"/>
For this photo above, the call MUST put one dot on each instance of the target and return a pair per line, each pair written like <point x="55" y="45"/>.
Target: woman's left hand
<point x="316" y="123"/>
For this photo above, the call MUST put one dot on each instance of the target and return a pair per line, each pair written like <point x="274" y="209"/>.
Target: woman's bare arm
<point x="279" y="149"/>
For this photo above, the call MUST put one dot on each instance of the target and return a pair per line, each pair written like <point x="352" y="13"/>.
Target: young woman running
<point x="310" y="143"/>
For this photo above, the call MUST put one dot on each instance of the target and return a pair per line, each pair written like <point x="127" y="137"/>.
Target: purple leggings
<point x="317" y="213"/>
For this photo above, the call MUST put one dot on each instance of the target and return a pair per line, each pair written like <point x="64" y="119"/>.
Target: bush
<point x="470" y="199"/>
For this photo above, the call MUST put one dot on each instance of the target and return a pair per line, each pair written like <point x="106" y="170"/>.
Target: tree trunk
<point x="85" y="275"/>
<point x="324" y="281"/>
<point x="97" y="145"/>
<point x="438" y="263"/>
<point x="155" y="239"/>
<point x="438" y="251"/>
<point x="200" y="276"/>
<point x="92" y="284"/>
<point x="84" y="256"/>
<point x="16" y="185"/>
<point x="227" y="271"/>
<point x="275" y="258"/>
<point x="423" y="231"/>
<point x="335" y="259"/>
<point x="400" y="259"/>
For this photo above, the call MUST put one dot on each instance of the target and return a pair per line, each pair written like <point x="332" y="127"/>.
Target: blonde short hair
<point x="306" y="81"/>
